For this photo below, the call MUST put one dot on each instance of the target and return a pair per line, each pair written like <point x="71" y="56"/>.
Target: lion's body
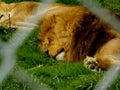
<point x="74" y="31"/>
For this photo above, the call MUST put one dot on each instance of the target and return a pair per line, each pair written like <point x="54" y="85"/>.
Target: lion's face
<point x="6" y="13"/>
<point x="3" y="11"/>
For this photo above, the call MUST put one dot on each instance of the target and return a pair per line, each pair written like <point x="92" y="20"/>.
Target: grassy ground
<point x="58" y="75"/>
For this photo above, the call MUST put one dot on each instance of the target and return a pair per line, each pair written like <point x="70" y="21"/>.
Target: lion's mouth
<point x="58" y="56"/>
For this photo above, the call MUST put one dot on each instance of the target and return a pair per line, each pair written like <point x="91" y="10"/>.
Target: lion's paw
<point x="90" y="63"/>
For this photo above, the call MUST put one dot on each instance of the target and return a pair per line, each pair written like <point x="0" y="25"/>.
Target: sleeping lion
<point x="69" y="32"/>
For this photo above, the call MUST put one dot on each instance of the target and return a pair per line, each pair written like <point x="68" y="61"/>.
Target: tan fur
<point x="19" y="11"/>
<point x="73" y="30"/>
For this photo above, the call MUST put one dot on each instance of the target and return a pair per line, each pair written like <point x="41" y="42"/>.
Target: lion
<point x="19" y="12"/>
<point x="74" y="33"/>
<point x="14" y="12"/>
<point x="69" y="32"/>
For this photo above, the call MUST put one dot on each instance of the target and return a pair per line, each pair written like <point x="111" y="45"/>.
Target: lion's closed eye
<point x="1" y="16"/>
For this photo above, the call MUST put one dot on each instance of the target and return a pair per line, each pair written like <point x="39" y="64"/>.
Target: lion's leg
<point x="107" y="56"/>
<point x="107" y="60"/>
<point x="90" y="63"/>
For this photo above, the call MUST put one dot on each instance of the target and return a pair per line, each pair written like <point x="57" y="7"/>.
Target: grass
<point x="63" y="75"/>
<point x="58" y="75"/>
<point x="111" y="4"/>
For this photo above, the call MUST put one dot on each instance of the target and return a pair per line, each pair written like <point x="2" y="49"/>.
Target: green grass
<point x="58" y="75"/>
<point x="110" y="4"/>
<point x="63" y="75"/>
